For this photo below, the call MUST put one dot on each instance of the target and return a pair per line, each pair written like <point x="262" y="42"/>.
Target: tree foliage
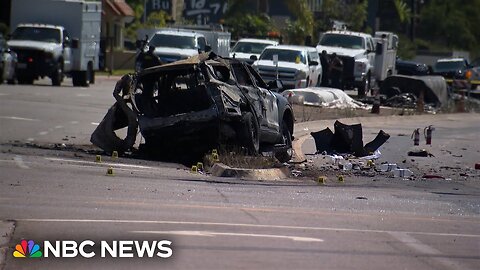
<point x="154" y="19"/>
<point x="454" y="23"/>
<point x="243" y="21"/>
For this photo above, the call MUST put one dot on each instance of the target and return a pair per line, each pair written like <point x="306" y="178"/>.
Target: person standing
<point x="325" y="67"/>
<point x="336" y="71"/>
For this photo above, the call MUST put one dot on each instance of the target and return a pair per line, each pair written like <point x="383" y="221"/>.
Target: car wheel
<point x="284" y="156"/>
<point x="1" y="72"/>
<point x="57" y="75"/>
<point x="319" y="81"/>
<point x="249" y="133"/>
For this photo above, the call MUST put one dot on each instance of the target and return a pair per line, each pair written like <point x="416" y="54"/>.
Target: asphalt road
<point x="213" y="223"/>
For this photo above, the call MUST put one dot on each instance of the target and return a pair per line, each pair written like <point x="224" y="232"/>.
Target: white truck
<point x="173" y="44"/>
<point x="385" y="55"/>
<point x="357" y="52"/>
<point x="294" y="66"/>
<point x="54" y="38"/>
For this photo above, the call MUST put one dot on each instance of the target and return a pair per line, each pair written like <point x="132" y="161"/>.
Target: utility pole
<point x="413" y="20"/>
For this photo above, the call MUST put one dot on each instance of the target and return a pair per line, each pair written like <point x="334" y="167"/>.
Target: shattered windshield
<point x="249" y="47"/>
<point x="173" y="41"/>
<point x="449" y="66"/>
<point x="344" y="41"/>
<point x="292" y="56"/>
<point x="37" y="34"/>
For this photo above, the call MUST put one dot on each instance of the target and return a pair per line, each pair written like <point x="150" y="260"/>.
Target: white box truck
<point x="54" y="38"/>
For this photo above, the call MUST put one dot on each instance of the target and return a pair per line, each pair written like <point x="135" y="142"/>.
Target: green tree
<point x="154" y="19"/>
<point x="242" y="21"/>
<point x="304" y="24"/>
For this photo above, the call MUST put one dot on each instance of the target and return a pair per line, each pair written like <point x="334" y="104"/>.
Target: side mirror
<point x="313" y="63"/>
<point x="275" y="86"/>
<point x="75" y="43"/>
<point x="253" y="57"/>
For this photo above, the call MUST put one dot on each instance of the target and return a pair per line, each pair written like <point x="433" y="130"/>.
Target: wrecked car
<point x="195" y="105"/>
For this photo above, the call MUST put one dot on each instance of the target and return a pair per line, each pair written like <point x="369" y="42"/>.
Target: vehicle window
<point x="284" y="55"/>
<point x="241" y="75"/>
<point x="256" y="77"/>
<point x="449" y="66"/>
<point x="313" y="56"/>
<point x="249" y="47"/>
<point x="37" y="34"/>
<point x="66" y="37"/>
<point x="344" y="41"/>
<point x="371" y="47"/>
<point x="202" y="43"/>
<point x="172" y="41"/>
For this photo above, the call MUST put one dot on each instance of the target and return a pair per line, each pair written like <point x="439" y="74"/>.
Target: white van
<point x="295" y="66"/>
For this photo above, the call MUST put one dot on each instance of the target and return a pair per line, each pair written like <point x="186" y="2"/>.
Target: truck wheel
<point x="364" y="86"/>
<point x="57" y="76"/>
<point x="91" y="73"/>
<point x="249" y="133"/>
<point x="284" y="156"/>
<point x="79" y="78"/>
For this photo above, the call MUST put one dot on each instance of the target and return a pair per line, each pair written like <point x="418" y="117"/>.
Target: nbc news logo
<point x="113" y="249"/>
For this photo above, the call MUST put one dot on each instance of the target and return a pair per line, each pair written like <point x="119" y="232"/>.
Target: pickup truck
<point x="357" y="51"/>
<point x="294" y="66"/>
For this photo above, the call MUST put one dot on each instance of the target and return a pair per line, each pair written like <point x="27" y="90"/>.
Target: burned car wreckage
<point x="197" y="104"/>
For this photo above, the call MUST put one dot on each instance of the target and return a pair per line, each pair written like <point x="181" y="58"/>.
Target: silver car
<point x="8" y="62"/>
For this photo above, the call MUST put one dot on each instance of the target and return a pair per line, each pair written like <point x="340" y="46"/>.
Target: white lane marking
<point x="19" y="161"/>
<point x="95" y="123"/>
<point x="3" y="94"/>
<point x="83" y="95"/>
<point x="30" y="139"/>
<point x="241" y="225"/>
<point x="212" y="234"/>
<point x="43" y="133"/>
<point x="425" y="249"/>
<point x="18" y="118"/>
<point x="103" y="163"/>
<point x="58" y="127"/>
<point x="73" y="122"/>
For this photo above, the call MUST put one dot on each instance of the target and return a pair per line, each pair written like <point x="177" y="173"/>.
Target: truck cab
<point x="295" y="66"/>
<point x="43" y="50"/>
<point x="171" y="45"/>
<point x="357" y="51"/>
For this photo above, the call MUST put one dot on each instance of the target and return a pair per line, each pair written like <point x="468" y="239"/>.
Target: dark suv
<point x="451" y="69"/>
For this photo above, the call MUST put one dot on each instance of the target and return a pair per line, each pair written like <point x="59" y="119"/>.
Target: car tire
<point x="249" y="133"/>
<point x="79" y="78"/>
<point x="284" y="156"/>
<point x="57" y="75"/>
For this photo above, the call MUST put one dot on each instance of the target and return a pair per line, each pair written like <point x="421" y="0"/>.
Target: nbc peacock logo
<point x="27" y="249"/>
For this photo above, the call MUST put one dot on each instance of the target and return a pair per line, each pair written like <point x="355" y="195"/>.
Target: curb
<point x="222" y="170"/>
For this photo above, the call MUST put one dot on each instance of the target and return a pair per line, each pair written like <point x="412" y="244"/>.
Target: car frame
<point x="197" y="104"/>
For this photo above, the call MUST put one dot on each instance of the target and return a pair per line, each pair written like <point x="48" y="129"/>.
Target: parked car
<point x="249" y="49"/>
<point x="197" y="104"/>
<point x="410" y="68"/>
<point x="297" y="66"/>
<point x="8" y="62"/>
<point x="459" y="70"/>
